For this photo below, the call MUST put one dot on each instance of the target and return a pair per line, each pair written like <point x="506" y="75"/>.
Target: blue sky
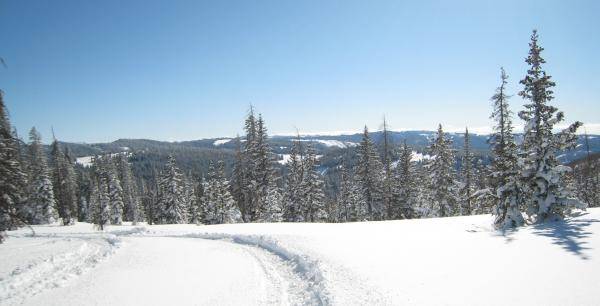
<point x="181" y="70"/>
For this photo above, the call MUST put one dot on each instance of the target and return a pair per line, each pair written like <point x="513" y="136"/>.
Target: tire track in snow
<point x="56" y="271"/>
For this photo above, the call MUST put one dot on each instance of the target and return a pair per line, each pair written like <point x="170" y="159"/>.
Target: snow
<point x="85" y="161"/>
<point x="417" y="157"/>
<point x="285" y="158"/>
<point x="219" y="142"/>
<point x="337" y="143"/>
<point x="439" y="261"/>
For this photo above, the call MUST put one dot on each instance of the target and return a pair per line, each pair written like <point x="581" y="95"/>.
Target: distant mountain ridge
<point x="324" y="144"/>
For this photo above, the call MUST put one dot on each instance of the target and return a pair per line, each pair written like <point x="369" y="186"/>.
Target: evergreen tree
<point x="11" y="174"/>
<point x="115" y="191"/>
<point x="293" y="211"/>
<point x="388" y="180"/>
<point x="547" y="195"/>
<point x="220" y="207"/>
<point x="407" y="192"/>
<point x="505" y="175"/>
<point x="313" y="197"/>
<point x="171" y="197"/>
<point x="467" y="190"/>
<point x="101" y="203"/>
<point x="130" y="197"/>
<point x="41" y="206"/>
<point x="63" y="184"/>
<point x="239" y="182"/>
<point x="344" y="194"/>
<point x="195" y="199"/>
<point x="442" y="176"/>
<point x="369" y="174"/>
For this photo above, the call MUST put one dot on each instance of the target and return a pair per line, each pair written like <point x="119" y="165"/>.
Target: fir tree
<point x="295" y="176"/>
<point x="313" y="197"/>
<point x="369" y="174"/>
<point x="505" y="176"/>
<point x="547" y="195"/>
<point x="130" y="197"/>
<point x="388" y="180"/>
<point x="115" y="192"/>
<point x="220" y="207"/>
<point x="11" y="174"/>
<point x="41" y="206"/>
<point x="442" y="176"/>
<point x="171" y="198"/>
<point x="467" y="188"/>
<point x="102" y="209"/>
<point x="407" y="192"/>
<point x="63" y="184"/>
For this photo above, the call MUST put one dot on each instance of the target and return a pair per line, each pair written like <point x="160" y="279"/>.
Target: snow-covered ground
<point x="445" y="261"/>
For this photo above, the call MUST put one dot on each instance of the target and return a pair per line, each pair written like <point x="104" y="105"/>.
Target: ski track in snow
<point x="301" y="277"/>
<point x="58" y="270"/>
<point x="291" y="279"/>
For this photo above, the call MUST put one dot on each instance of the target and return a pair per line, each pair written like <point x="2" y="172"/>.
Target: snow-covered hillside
<point x="444" y="261"/>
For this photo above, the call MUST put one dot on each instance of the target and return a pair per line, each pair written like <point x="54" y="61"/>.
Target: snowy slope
<point x="448" y="261"/>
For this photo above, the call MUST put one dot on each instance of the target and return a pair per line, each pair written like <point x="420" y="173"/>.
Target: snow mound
<point x="219" y="142"/>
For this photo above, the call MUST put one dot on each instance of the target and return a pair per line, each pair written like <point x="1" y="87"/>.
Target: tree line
<point x="524" y="182"/>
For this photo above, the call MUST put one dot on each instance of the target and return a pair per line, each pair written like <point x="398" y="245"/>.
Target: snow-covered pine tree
<point x="467" y="188"/>
<point x="41" y="206"/>
<point x="115" y="191"/>
<point x="442" y="176"/>
<point x="369" y="173"/>
<point x="389" y="190"/>
<point x="357" y="201"/>
<point x="505" y="181"/>
<point x="171" y="201"/>
<point x="64" y="192"/>
<point x="587" y="177"/>
<point x="195" y="199"/>
<point x="220" y="207"/>
<point x="11" y="175"/>
<point x="264" y="172"/>
<point x="543" y="176"/>
<point x="293" y="210"/>
<point x="83" y="193"/>
<point x="407" y="193"/>
<point x="131" y="203"/>
<point x="313" y="196"/>
<point x="238" y="180"/>
<point x="71" y="185"/>
<point x="344" y="193"/>
<point x="100" y="197"/>
<point x="272" y="209"/>
<point x="250" y="164"/>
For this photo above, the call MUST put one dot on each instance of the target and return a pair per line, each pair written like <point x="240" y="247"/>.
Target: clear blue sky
<point x="181" y="70"/>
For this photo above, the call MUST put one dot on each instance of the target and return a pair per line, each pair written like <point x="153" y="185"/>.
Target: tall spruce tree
<point x="171" y="197"/>
<point x="295" y="176"/>
<point x="547" y="195"/>
<point x="369" y="173"/>
<point x="63" y="184"/>
<point x="41" y="205"/>
<point x="219" y="205"/>
<point x="467" y="188"/>
<point x="11" y="174"/>
<point x="505" y="175"/>
<point x="407" y="192"/>
<point x="131" y="204"/>
<point x="442" y="176"/>
<point x="389" y="189"/>
<point x="313" y="197"/>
